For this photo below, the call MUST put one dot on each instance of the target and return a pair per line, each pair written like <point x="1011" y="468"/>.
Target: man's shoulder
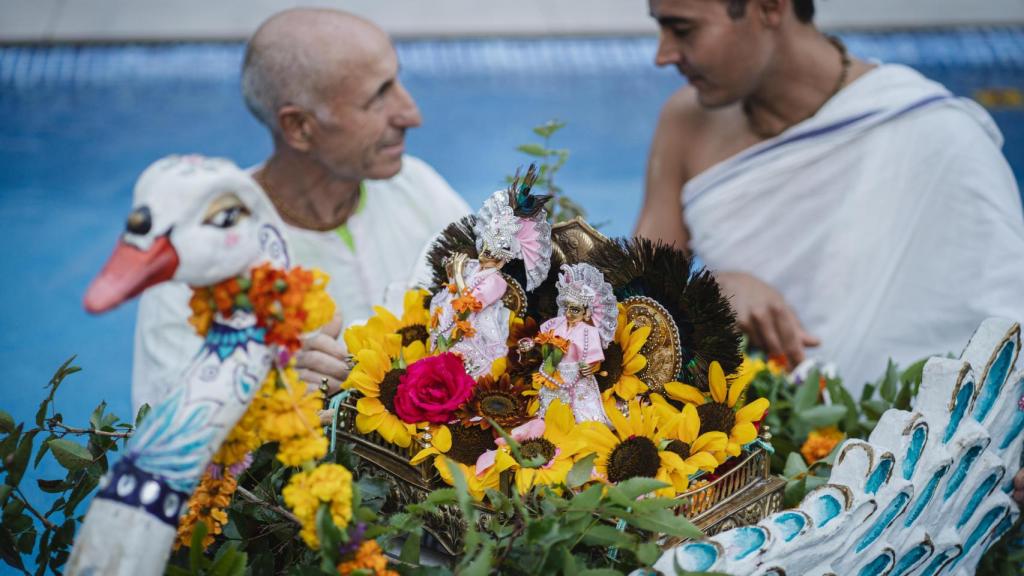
<point x="717" y="130"/>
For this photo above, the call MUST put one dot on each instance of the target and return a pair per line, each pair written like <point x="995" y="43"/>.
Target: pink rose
<point x="432" y="389"/>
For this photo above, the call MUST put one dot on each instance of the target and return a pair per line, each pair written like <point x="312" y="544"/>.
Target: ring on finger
<point x="324" y="387"/>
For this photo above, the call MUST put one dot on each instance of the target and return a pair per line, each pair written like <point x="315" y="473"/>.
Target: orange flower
<point x="820" y="443"/>
<point x="202" y="310"/>
<point x="207" y="506"/>
<point x="465" y="329"/>
<point x="466" y="303"/>
<point x="550" y="338"/>
<point x="368" y="557"/>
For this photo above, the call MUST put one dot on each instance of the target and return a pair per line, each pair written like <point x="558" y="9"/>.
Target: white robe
<point x="397" y="218"/>
<point x="890" y="221"/>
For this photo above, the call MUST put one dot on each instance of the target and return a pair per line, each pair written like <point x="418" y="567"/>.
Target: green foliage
<point x="598" y="530"/>
<point x="549" y="161"/>
<point x="46" y="533"/>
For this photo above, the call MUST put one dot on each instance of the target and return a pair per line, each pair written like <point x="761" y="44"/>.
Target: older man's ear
<point x="296" y="127"/>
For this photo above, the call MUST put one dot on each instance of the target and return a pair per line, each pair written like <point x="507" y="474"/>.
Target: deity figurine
<point x="573" y="342"/>
<point x="469" y="317"/>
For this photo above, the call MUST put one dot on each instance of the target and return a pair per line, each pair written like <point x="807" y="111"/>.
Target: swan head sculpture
<point x="195" y="220"/>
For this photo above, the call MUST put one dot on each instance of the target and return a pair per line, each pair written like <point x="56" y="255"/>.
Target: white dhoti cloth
<point x="890" y="221"/>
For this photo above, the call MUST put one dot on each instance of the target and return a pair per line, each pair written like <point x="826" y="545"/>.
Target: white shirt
<point x="394" y="223"/>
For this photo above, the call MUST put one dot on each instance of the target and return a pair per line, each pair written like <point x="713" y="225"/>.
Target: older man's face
<point x="364" y="119"/>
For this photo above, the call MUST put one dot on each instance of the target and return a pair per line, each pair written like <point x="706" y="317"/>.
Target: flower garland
<point x="285" y="303"/>
<point x="284" y="410"/>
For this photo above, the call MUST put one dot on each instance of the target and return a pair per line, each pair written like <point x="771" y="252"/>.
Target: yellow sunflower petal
<point x="423" y="455"/>
<point x="442" y="438"/>
<point x="637" y="339"/>
<point x="739" y="384"/>
<point x="754" y="411"/>
<point x="629" y="387"/>
<point x="370" y="406"/>
<point x="685" y="393"/>
<point x="710" y="442"/>
<point x="716" y="381"/>
<point x="743" y="433"/>
<point x="703" y="460"/>
<point x="366" y="424"/>
<point x="689" y="424"/>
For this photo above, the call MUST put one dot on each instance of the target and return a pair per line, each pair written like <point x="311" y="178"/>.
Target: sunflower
<point x="502" y="399"/>
<point x="557" y="442"/>
<point x="684" y="438"/>
<point x="461" y="446"/>
<point x="617" y="375"/>
<point x="376" y="377"/>
<point x="723" y="412"/>
<point x="633" y="449"/>
<point x="387" y="331"/>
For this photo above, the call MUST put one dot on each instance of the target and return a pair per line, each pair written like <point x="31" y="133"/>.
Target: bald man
<point x="325" y="84"/>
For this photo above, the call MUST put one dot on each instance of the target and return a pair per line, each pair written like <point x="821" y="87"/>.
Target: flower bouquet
<point x="537" y="350"/>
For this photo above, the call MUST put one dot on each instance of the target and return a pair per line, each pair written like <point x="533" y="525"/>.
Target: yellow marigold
<point x="369" y="557"/>
<point x="207" y="505"/>
<point x="243" y="438"/>
<point x="290" y="416"/>
<point x="820" y="443"/>
<point x="317" y="303"/>
<point x="202" y="310"/>
<point x="329" y="484"/>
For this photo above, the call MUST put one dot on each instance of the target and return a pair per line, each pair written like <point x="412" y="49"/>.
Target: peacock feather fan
<point x="706" y="322"/>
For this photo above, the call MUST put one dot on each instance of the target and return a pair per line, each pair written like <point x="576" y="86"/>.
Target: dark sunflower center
<point x="389" y="387"/>
<point x="497" y="404"/>
<point x="679" y="447"/>
<point x="413" y="333"/>
<point x="469" y="442"/>
<point x="611" y="367"/>
<point x="716" y="417"/>
<point x="635" y="456"/>
<point x="538" y="447"/>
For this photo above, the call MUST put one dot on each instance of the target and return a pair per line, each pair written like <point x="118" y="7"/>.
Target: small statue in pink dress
<point x="574" y="341"/>
<point x="469" y="316"/>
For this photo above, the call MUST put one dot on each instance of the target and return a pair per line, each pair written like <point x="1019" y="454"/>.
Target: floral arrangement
<point x="452" y="387"/>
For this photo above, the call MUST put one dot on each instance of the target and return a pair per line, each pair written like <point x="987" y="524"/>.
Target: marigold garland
<point x="207" y="505"/>
<point x="329" y="484"/>
<point x="285" y="303"/>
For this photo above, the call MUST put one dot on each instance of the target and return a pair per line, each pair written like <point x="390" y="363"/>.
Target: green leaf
<point x="70" y="455"/>
<point x="141" y="415"/>
<point x="807" y="394"/>
<point x="481" y="563"/>
<point x="53" y="486"/>
<point x="411" y="546"/>
<point x="636" y="487"/>
<point x="442" y="496"/>
<point x="17" y="465"/>
<point x="6" y="422"/>
<point x="9" y="549"/>
<point x="794" y="492"/>
<point x="794" y="465"/>
<point x="329" y="535"/>
<point x="195" y="553"/>
<point x="664" y="522"/>
<point x="599" y="572"/>
<point x="229" y="561"/>
<point x="533" y="150"/>
<point x="822" y="416"/>
<point x="889" y="383"/>
<point x="648" y="553"/>
<point x="605" y="536"/>
<point x="586" y="501"/>
<point x="581" y="471"/>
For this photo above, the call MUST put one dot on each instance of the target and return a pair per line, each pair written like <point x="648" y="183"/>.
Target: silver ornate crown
<point x="584" y="285"/>
<point x="495" y="228"/>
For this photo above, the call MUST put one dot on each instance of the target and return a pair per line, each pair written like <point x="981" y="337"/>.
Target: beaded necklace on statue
<point x="844" y="73"/>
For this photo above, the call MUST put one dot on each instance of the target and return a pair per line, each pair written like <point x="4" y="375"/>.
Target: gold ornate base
<point x="743" y="495"/>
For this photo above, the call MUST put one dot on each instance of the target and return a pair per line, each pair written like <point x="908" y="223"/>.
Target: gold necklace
<point x="302" y="221"/>
<point x="844" y="73"/>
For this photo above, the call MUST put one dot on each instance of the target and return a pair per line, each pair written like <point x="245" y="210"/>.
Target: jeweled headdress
<point x="584" y="285"/>
<point x="513" y="224"/>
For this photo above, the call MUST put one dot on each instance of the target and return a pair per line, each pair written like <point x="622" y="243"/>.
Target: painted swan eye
<point x="225" y="212"/>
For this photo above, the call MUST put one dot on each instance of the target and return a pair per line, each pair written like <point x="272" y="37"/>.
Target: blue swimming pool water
<point x="79" y="124"/>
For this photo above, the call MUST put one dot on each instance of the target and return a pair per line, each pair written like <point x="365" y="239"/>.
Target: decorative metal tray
<point x="743" y="495"/>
